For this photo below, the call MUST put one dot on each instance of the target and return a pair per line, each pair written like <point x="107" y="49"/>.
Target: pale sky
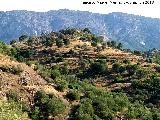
<point x="46" y="5"/>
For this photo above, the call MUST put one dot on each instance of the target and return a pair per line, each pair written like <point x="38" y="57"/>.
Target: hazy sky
<point x="46" y="5"/>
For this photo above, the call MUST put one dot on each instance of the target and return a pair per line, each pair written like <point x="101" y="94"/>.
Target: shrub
<point x="94" y="44"/>
<point x="12" y="69"/>
<point x="122" y="69"/>
<point x="62" y="86"/>
<point x="12" y="42"/>
<point x="137" y="52"/>
<point x="138" y="111"/>
<point x="119" y="78"/>
<point x="119" y="46"/>
<point x="126" y="61"/>
<point x="59" y="43"/>
<point x="64" y="70"/>
<point x="60" y="59"/>
<point x="29" y="63"/>
<point x="17" y="69"/>
<point x="131" y="69"/>
<point x="85" y="110"/>
<point x="116" y="67"/>
<point x="73" y="95"/>
<point x="30" y="41"/>
<point x="11" y="95"/>
<point x="55" y="106"/>
<point x="21" y="54"/>
<point x="141" y="73"/>
<point x="158" y="68"/>
<point x="68" y="31"/>
<point x="23" y="37"/>
<point x="113" y="44"/>
<point x="86" y="30"/>
<point x="4" y="48"/>
<point x="104" y="45"/>
<point x="48" y="42"/>
<point x="66" y="41"/>
<point x="11" y="111"/>
<point x="97" y="68"/>
<point x="48" y="105"/>
<point x="83" y="116"/>
<point x="55" y="74"/>
<point x="61" y="83"/>
<point x="35" y="114"/>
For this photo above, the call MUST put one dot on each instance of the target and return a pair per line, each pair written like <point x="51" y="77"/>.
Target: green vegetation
<point x="87" y="85"/>
<point x="4" y="48"/>
<point x="46" y="105"/>
<point x="12" y="69"/>
<point x="11" y="111"/>
<point x="113" y="44"/>
<point x="23" y="37"/>
<point x="73" y="95"/>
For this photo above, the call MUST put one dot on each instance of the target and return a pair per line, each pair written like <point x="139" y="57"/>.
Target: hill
<point x="135" y="32"/>
<point x="73" y="74"/>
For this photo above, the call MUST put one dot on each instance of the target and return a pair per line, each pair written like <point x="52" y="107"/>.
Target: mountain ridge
<point x="132" y="30"/>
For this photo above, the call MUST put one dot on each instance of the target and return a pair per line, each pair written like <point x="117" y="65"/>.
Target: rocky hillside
<point x="135" y="32"/>
<point x="74" y="75"/>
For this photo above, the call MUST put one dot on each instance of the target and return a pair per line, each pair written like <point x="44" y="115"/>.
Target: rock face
<point x="134" y="32"/>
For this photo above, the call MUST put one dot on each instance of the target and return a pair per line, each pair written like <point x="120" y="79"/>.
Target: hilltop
<point x="74" y="74"/>
<point x="135" y="32"/>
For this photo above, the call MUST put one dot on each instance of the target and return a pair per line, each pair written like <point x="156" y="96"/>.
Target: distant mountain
<point x="135" y="32"/>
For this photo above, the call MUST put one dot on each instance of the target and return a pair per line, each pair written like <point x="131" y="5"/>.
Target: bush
<point x="73" y="95"/>
<point x="97" y="68"/>
<point x="119" y="46"/>
<point x="48" y="42"/>
<point x="11" y="111"/>
<point x="119" y="78"/>
<point x="35" y="114"/>
<point x="141" y="73"/>
<point x="86" y="30"/>
<point x="59" y="43"/>
<point x="62" y="86"/>
<point x="21" y="54"/>
<point x="126" y="61"/>
<point x="94" y="44"/>
<point x="4" y="48"/>
<point x="61" y="83"/>
<point x="60" y="59"/>
<point x="138" y="111"/>
<point x="83" y="116"/>
<point x="116" y="67"/>
<point x="12" y="96"/>
<point x="13" y="42"/>
<point x="29" y="63"/>
<point x="131" y="69"/>
<point x="137" y="52"/>
<point x="66" y="41"/>
<point x="23" y="37"/>
<point x="158" y="68"/>
<point x="122" y="69"/>
<point x="55" y="106"/>
<point x="12" y="69"/>
<point x="68" y="31"/>
<point x="64" y="70"/>
<point x="17" y="70"/>
<point x="48" y="105"/>
<point x="55" y="74"/>
<point x="111" y="44"/>
<point x="85" y="111"/>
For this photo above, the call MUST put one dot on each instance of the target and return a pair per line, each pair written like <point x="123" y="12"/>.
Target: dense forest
<point x="86" y="79"/>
